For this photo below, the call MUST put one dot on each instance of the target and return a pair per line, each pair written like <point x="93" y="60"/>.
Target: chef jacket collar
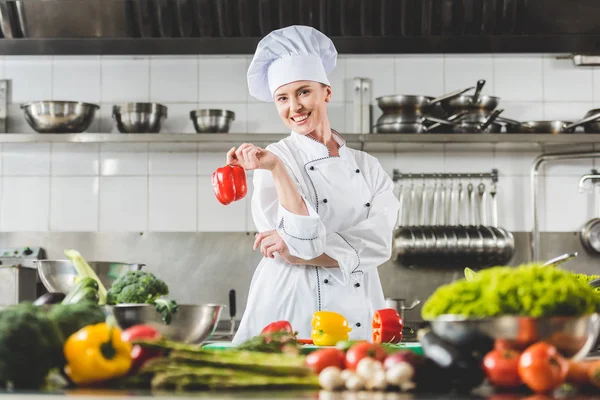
<point x="319" y="148"/>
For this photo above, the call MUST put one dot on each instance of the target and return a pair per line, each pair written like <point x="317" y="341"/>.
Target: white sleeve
<point x="368" y="244"/>
<point x="304" y="235"/>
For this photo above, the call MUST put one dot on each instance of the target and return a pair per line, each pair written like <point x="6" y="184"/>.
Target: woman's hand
<point x="270" y="243"/>
<point x="249" y="157"/>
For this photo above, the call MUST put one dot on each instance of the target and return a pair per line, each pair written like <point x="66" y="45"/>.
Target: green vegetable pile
<point x="190" y="368"/>
<point x="528" y="290"/>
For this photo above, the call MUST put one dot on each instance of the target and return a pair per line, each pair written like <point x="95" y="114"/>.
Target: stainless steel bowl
<point x="50" y="116"/>
<point x="139" y="117"/>
<point x="192" y="323"/>
<point x="58" y="276"/>
<point x="212" y="121"/>
<point x="574" y="337"/>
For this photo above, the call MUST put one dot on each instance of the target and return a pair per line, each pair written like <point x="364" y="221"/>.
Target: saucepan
<point x="553" y="127"/>
<point x="414" y="105"/>
<point x="488" y="126"/>
<point x="476" y="103"/>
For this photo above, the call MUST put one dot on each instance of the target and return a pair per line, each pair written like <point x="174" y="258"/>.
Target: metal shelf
<point x="361" y="139"/>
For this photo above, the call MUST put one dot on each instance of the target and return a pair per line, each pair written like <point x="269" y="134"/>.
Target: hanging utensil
<point x="560" y="259"/>
<point x="423" y="205"/>
<point x="471" y="193"/>
<point x="482" y="204"/>
<point x="493" y="192"/>
<point x="590" y="233"/>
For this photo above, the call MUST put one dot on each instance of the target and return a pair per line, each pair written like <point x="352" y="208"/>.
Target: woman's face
<point x="302" y="105"/>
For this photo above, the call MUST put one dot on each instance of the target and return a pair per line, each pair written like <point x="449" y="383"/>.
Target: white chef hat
<point x="294" y="53"/>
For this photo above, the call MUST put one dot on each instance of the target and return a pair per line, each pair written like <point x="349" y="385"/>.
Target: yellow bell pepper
<point x="96" y="353"/>
<point x="328" y="328"/>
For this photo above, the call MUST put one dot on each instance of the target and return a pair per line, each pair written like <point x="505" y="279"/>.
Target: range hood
<point x="61" y="27"/>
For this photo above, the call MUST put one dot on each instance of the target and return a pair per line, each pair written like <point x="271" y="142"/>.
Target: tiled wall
<point x="138" y="187"/>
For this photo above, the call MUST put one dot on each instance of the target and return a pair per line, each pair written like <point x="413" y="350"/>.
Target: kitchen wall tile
<point x="240" y="124"/>
<point x="26" y="159"/>
<point x="515" y="162"/>
<point x="514" y="203"/>
<point x="77" y="78"/>
<point x="464" y="70"/>
<point x="172" y="159"/>
<point x="337" y="79"/>
<point x="387" y="159"/>
<point x="178" y="118"/>
<point x="564" y="81"/>
<point x="16" y="120"/>
<point x="263" y="118"/>
<point x="518" y="77"/>
<point x="123" y="204"/>
<point x="25" y="204"/>
<point x="222" y="79"/>
<point x="420" y="75"/>
<point x="172" y="204"/>
<point x="31" y="78"/>
<point x="418" y="157"/>
<point x="566" y="167"/>
<point x="522" y="111"/>
<point x="567" y="209"/>
<point x="75" y="159"/>
<point x="467" y="157"/>
<point x="337" y="116"/>
<point x="74" y="204"/>
<point x="567" y="111"/>
<point x="379" y="69"/>
<point x="2" y="67"/>
<point x="124" y="159"/>
<point x="104" y="119"/>
<point x="208" y="161"/>
<point x="174" y="79"/>
<point x="215" y="217"/>
<point x="125" y="79"/>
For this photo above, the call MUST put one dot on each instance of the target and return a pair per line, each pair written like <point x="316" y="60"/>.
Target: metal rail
<point x="397" y="175"/>
<point x="537" y="163"/>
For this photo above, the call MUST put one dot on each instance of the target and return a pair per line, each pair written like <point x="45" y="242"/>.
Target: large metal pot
<point x="414" y="105"/>
<point x="471" y="103"/>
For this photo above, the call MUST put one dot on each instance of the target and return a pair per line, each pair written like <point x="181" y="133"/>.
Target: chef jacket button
<point x="357" y="284"/>
<point x="326" y="281"/>
<point x="358" y="171"/>
<point x="358" y="324"/>
<point x="368" y="204"/>
<point x="324" y="200"/>
<point x="312" y="168"/>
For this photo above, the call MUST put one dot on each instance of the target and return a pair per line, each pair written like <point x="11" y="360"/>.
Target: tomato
<point x="140" y="355"/>
<point x="323" y="358"/>
<point x="594" y="373"/>
<point x="502" y="368"/>
<point x="278" y="326"/>
<point x="542" y="368"/>
<point x="364" y="349"/>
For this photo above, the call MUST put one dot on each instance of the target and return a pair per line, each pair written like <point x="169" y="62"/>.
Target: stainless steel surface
<point x="4" y="94"/>
<point x="574" y="337"/>
<point x="537" y="163"/>
<point x="475" y="102"/>
<point x="50" y="116"/>
<point x="17" y="284"/>
<point x="560" y="259"/>
<point x="212" y="120"/>
<point x="58" y="276"/>
<point x="488" y="125"/>
<point x="72" y="18"/>
<point x="192" y="323"/>
<point x="400" y="305"/>
<point x="592" y="126"/>
<point x="554" y="127"/>
<point x="139" y="117"/>
<point x="414" y="104"/>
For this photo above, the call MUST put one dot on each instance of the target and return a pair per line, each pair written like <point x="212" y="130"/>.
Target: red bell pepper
<point x="139" y="354"/>
<point x="278" y="326"/>
<point x="387" y="326"/>
<point x="229" y="184"/>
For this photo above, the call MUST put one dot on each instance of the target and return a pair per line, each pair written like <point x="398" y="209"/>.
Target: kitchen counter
<point x="273" y="395"/>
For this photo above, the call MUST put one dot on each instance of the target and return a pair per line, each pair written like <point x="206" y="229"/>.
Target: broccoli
<point x="141" y="287"/>
<point x="30" y="346"/>
<point x="72" y="317"/>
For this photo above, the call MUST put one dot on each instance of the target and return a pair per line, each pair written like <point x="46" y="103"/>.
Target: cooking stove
<point x="19" y="280"/>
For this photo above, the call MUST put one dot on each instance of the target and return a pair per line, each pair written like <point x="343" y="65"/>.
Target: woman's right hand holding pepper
<point x="250" y="157"/>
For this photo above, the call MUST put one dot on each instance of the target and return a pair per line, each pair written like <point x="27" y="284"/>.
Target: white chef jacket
<point x="352" y="214"/>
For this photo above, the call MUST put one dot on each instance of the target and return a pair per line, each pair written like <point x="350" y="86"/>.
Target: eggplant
<point x="462" y="366"/>
<point x="49" y="298"/>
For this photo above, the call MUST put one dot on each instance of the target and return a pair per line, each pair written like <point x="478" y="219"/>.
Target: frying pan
<point x="414" y="104"/>
<point x="472" y="103"/>
<point x="594" y="125"/>
<point x="553" y="127"/>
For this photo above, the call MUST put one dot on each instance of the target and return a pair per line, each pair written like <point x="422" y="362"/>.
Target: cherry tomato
<point x="502" y="368"/>
<point x="542" y="368"/>
<point x="364" y="349"/>
<point x="140" y="355"/>
<point x="323" y="358"/>
<point x="278" y="326"/>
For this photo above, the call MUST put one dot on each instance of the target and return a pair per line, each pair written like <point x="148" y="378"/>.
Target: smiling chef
<point x="325" y="212"/>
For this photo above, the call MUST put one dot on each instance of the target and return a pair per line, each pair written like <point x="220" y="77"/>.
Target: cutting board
<point x="307" y="348"/>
